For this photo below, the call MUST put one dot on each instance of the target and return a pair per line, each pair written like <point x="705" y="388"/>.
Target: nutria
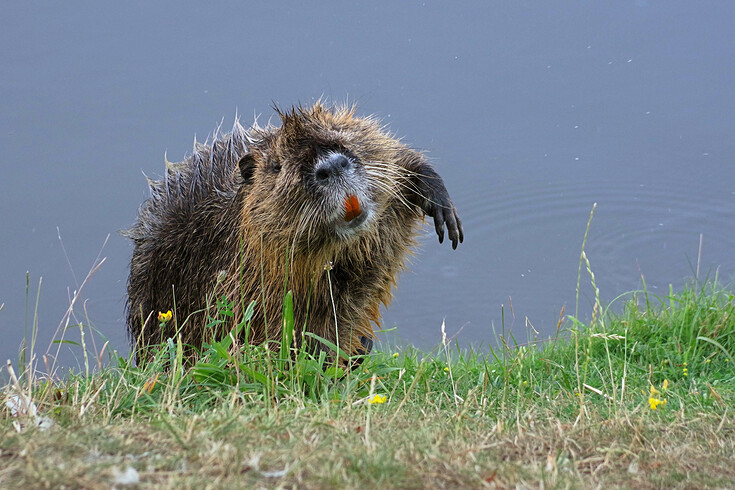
<point x="327" y="205"/>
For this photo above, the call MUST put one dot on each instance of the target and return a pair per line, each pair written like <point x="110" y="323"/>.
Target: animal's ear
<point x="247" y="167"/>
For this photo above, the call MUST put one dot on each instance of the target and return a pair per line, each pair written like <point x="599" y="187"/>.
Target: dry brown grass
<point x="416" y="447"/>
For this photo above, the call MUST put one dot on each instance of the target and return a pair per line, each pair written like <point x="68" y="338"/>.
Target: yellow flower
<point x="655" y="402"/>
<point x="164" y="317"/>
<point x="446" y="369"/>
<point x="652" y="400"/>
<point x="395" y="354"/>
<point x="377" y="399"/>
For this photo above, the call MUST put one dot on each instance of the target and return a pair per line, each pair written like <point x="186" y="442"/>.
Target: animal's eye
<point x="276" y="167"/>
<point x="347" y="152"/>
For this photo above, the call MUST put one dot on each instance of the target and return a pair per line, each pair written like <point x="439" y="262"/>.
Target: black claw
<point x="452" y="226"/>
<point x="439" y="226"/>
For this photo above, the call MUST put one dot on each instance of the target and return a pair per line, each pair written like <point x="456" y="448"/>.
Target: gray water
<point x="531" y="111"/>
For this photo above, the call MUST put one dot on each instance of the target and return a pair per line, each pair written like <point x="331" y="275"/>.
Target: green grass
<point x="640" y="398"/>
<point x="573" y="411"/>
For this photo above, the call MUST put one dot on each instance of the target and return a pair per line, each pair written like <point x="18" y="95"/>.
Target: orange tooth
<point x="352" y="208"/>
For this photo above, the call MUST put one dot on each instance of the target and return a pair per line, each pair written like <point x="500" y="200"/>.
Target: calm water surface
<point x="532" y="112"/>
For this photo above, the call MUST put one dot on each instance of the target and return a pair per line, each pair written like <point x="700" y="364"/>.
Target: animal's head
<point x="323" y="177"/>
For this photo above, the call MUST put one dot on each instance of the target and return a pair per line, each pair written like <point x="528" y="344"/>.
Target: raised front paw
<point x="427" y="190"/>
<point x="439" y="206"/>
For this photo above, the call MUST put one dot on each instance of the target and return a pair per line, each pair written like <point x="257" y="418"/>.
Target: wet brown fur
<point x="207" y="230"/>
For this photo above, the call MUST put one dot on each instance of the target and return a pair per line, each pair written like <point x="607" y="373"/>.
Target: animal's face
<point x="322" y="176"/>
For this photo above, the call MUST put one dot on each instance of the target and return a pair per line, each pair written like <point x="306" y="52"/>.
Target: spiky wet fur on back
<point x="203" y="218"/>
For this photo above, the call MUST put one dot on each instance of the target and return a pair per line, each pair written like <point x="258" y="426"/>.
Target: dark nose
<point x="331" y="167"/>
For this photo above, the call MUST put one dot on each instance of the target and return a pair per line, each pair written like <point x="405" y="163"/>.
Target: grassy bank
<point x="644" y="398"/>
